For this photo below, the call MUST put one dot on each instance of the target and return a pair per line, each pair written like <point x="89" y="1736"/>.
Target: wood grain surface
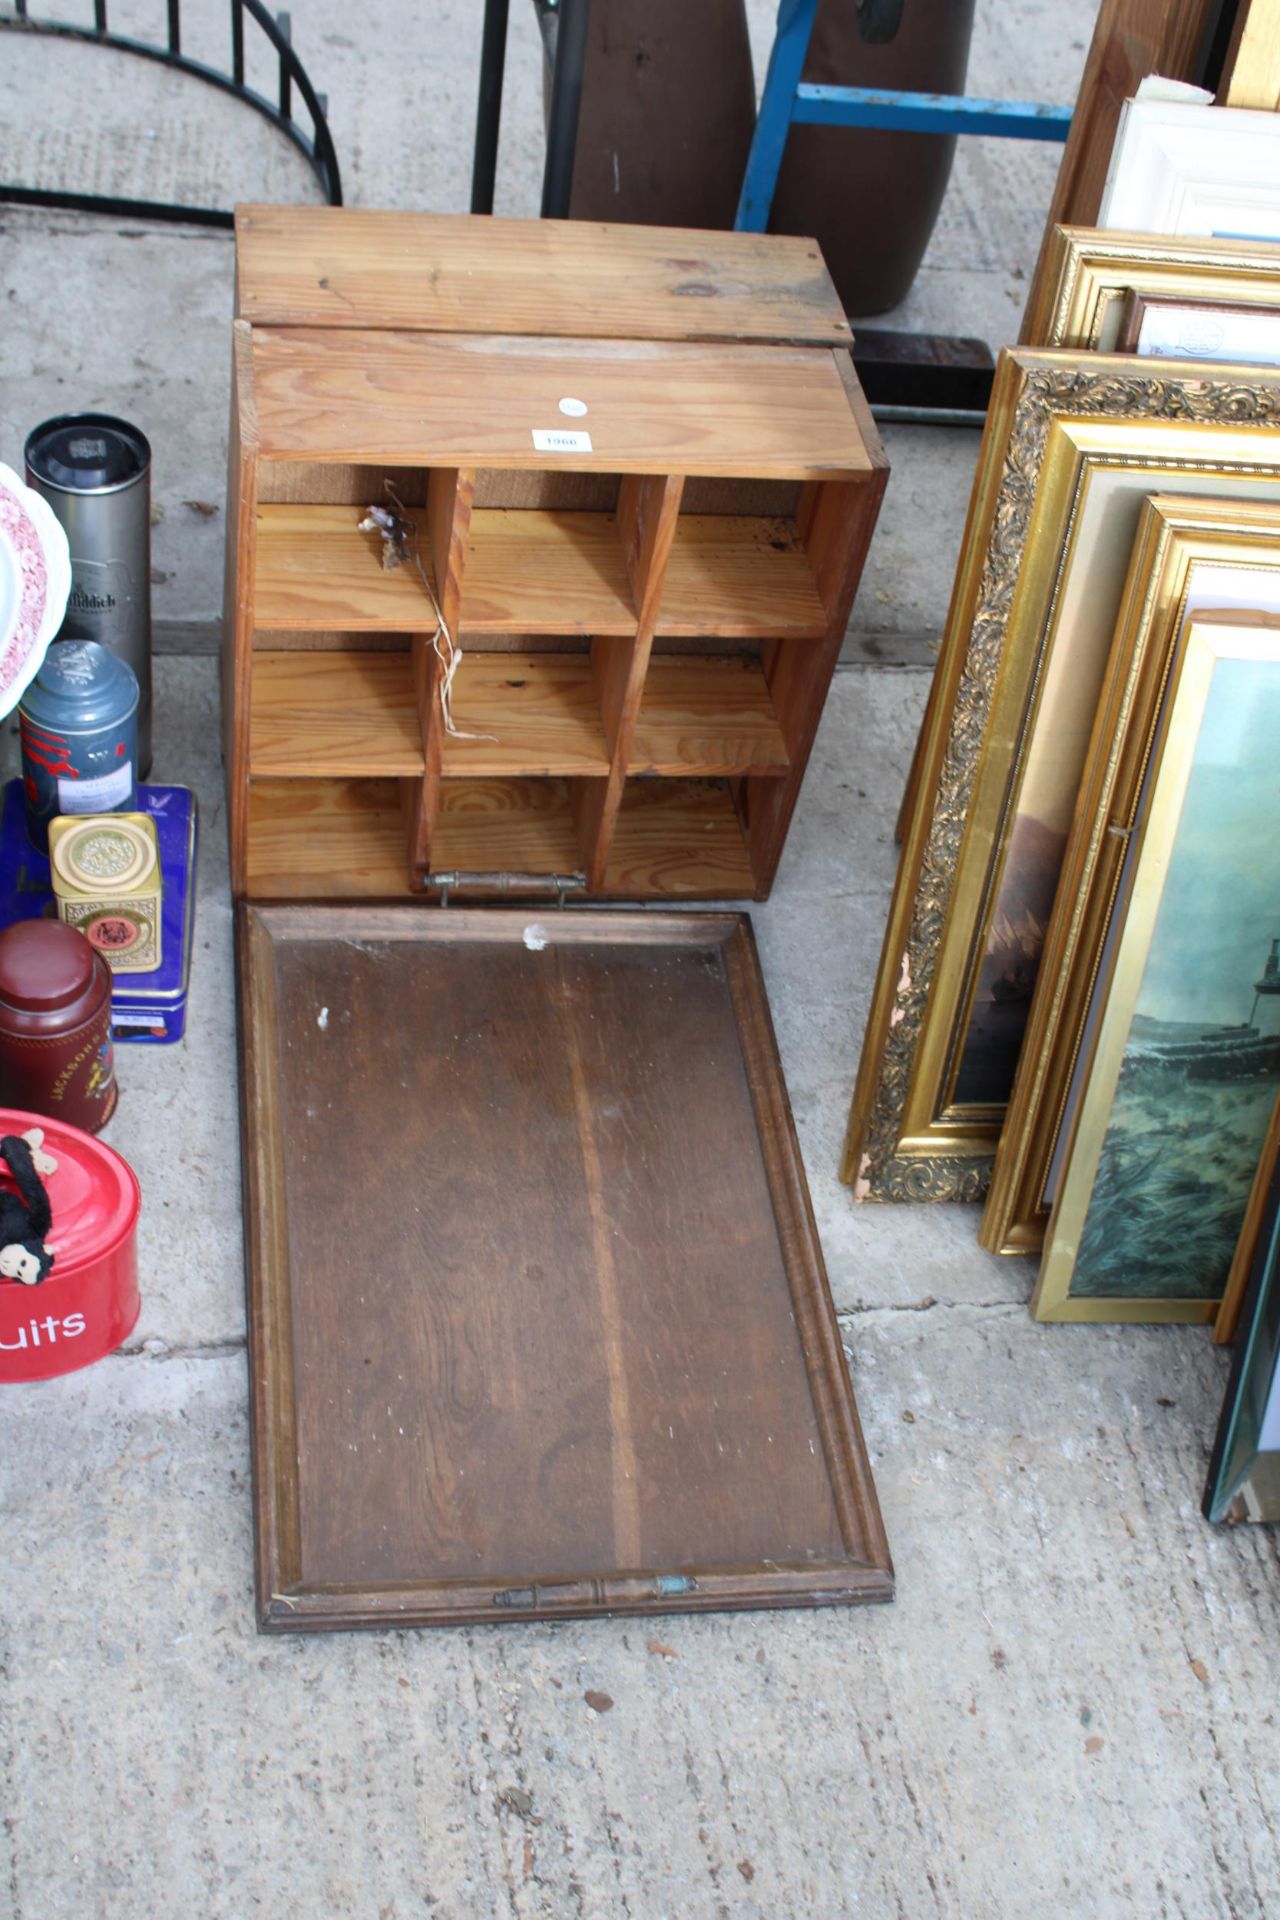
<point x="238" y="599"/>
<point x="1227" y="1323"/>
<point x="740" y="577"/>
<point x="449" y="505"/>
<point x="326" y="839"/>
<point x="506" y="826"/>
<point x="648" y="510"/>
<point x="534" y="572"/>
<point x="533" y="713"/>
<point x="538" y="1319"/>
<point x="316" y="569"/>
<point x="450" y="399"/>
<point x="678" y="837"/>
<point x="1251" y="71"/>
<point x="333" y="713"/>
<point x="345" y="838"/>
<point x="336" y="267"/>
<point x="707" y="716"/>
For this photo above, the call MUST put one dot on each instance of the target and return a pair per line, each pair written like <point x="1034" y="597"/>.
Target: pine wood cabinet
<point x="643" y="480"/>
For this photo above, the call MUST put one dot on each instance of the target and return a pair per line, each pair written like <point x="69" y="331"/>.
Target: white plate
<point x="35" y="580"/>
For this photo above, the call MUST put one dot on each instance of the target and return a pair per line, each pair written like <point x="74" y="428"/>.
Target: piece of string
<point x="400" y="543"/>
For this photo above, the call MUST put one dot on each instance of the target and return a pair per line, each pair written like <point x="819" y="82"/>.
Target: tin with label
<point x="56" y="1051"/>
<point x="79" y="725"/>
<point x="147" y="1009"/>
<point x="95" y="472"/>
<point x="106" y="880"/>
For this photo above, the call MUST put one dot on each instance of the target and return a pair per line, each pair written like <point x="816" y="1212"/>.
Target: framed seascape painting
<point x="1244" y="1470"/>
<point x="1090" y="272"/>
<point x="1180" y="167"/>
<point x="1180" y="1058"/>
<point x="1074" y="445"/>
<point x="1190" y="555"/>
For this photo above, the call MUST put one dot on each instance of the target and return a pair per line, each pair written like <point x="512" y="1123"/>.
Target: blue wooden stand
<point x="788" y="100"/>
<point x="914" y="377"/>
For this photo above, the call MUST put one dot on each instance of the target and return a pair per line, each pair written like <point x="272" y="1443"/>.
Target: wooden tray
<point x="538" y="1318"/>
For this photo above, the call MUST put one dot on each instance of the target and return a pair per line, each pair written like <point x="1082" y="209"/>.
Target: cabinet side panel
<point x="237" y="610"/>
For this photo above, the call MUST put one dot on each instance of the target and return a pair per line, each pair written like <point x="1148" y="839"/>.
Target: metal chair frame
<point x="317" y="147"/>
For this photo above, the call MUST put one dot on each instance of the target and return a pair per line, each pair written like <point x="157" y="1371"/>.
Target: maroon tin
<point x="56" y="1055"/>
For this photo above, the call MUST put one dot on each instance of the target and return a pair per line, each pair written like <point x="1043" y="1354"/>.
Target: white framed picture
<point x="1180" y="167"/>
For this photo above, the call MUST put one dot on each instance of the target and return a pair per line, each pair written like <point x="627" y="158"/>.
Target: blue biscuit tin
<point x="79" y="726"/>
<point x="145" y="1007"/>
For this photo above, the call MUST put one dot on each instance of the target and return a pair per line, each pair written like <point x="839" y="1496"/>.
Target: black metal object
<point x="924" y="378"/>
<point x="493" y="56"/>
<point x="566" y="98"/>
<point x="569" y="20"/>
<point x="1220" y="25"/>
<point x="317" y="146"/>
<point x="879" y="20"/>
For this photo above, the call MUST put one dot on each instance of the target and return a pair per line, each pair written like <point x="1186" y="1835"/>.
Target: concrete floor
<point x="1069" y="1711"/>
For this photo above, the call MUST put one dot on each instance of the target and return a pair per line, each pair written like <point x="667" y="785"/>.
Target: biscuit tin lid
<point x="94" y="1192"/>
<point x="103" y="853"/>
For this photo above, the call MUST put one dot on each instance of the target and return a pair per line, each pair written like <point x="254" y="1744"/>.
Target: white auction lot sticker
<point x="574" y="408"/>
<point x="561" y="440"/>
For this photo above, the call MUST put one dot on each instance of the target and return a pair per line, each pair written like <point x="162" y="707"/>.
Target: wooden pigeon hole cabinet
<point x="538" y="1322"/>
<point x="643" y="481"/>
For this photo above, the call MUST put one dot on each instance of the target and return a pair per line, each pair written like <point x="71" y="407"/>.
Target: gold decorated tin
<point x="107" y="880"/>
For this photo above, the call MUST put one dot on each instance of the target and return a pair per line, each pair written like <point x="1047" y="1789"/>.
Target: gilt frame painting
<point x="1191" y="555"/>
<point x="1089" y="272"/>
<point x="1074" y="445"/>
<point x="1180" y="1061"/>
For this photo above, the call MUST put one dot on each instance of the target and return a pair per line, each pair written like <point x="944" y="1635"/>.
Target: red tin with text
<point x="89" y="1302"/>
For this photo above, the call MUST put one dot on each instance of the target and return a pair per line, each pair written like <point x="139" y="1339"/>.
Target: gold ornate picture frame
<point x="1074" y="445"/>
<point x="1174" y="1088"/>
<point x="1191" y="555"/>
<point x="1088" y="271"/>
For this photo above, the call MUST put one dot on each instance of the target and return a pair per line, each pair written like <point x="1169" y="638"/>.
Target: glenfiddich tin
<point x="79" y="725"/>
<point x="95" y="472"/>
<point x="106" y="878"/>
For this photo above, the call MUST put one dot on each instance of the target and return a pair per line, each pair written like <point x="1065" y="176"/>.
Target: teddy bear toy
<point x="25" y="1218"/>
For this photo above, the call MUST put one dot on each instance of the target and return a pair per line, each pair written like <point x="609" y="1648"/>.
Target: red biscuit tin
<point x="89" y="1303"/>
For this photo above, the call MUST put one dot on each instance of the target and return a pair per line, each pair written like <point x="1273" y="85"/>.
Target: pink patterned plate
<point x="35" y="579"/>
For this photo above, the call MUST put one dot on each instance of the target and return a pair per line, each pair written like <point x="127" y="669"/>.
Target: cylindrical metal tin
<point x="56" y="1052"/>
<point x="95" y="472"/>
<point x="89" y="1303"/>
<point x="79" y="725"/>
